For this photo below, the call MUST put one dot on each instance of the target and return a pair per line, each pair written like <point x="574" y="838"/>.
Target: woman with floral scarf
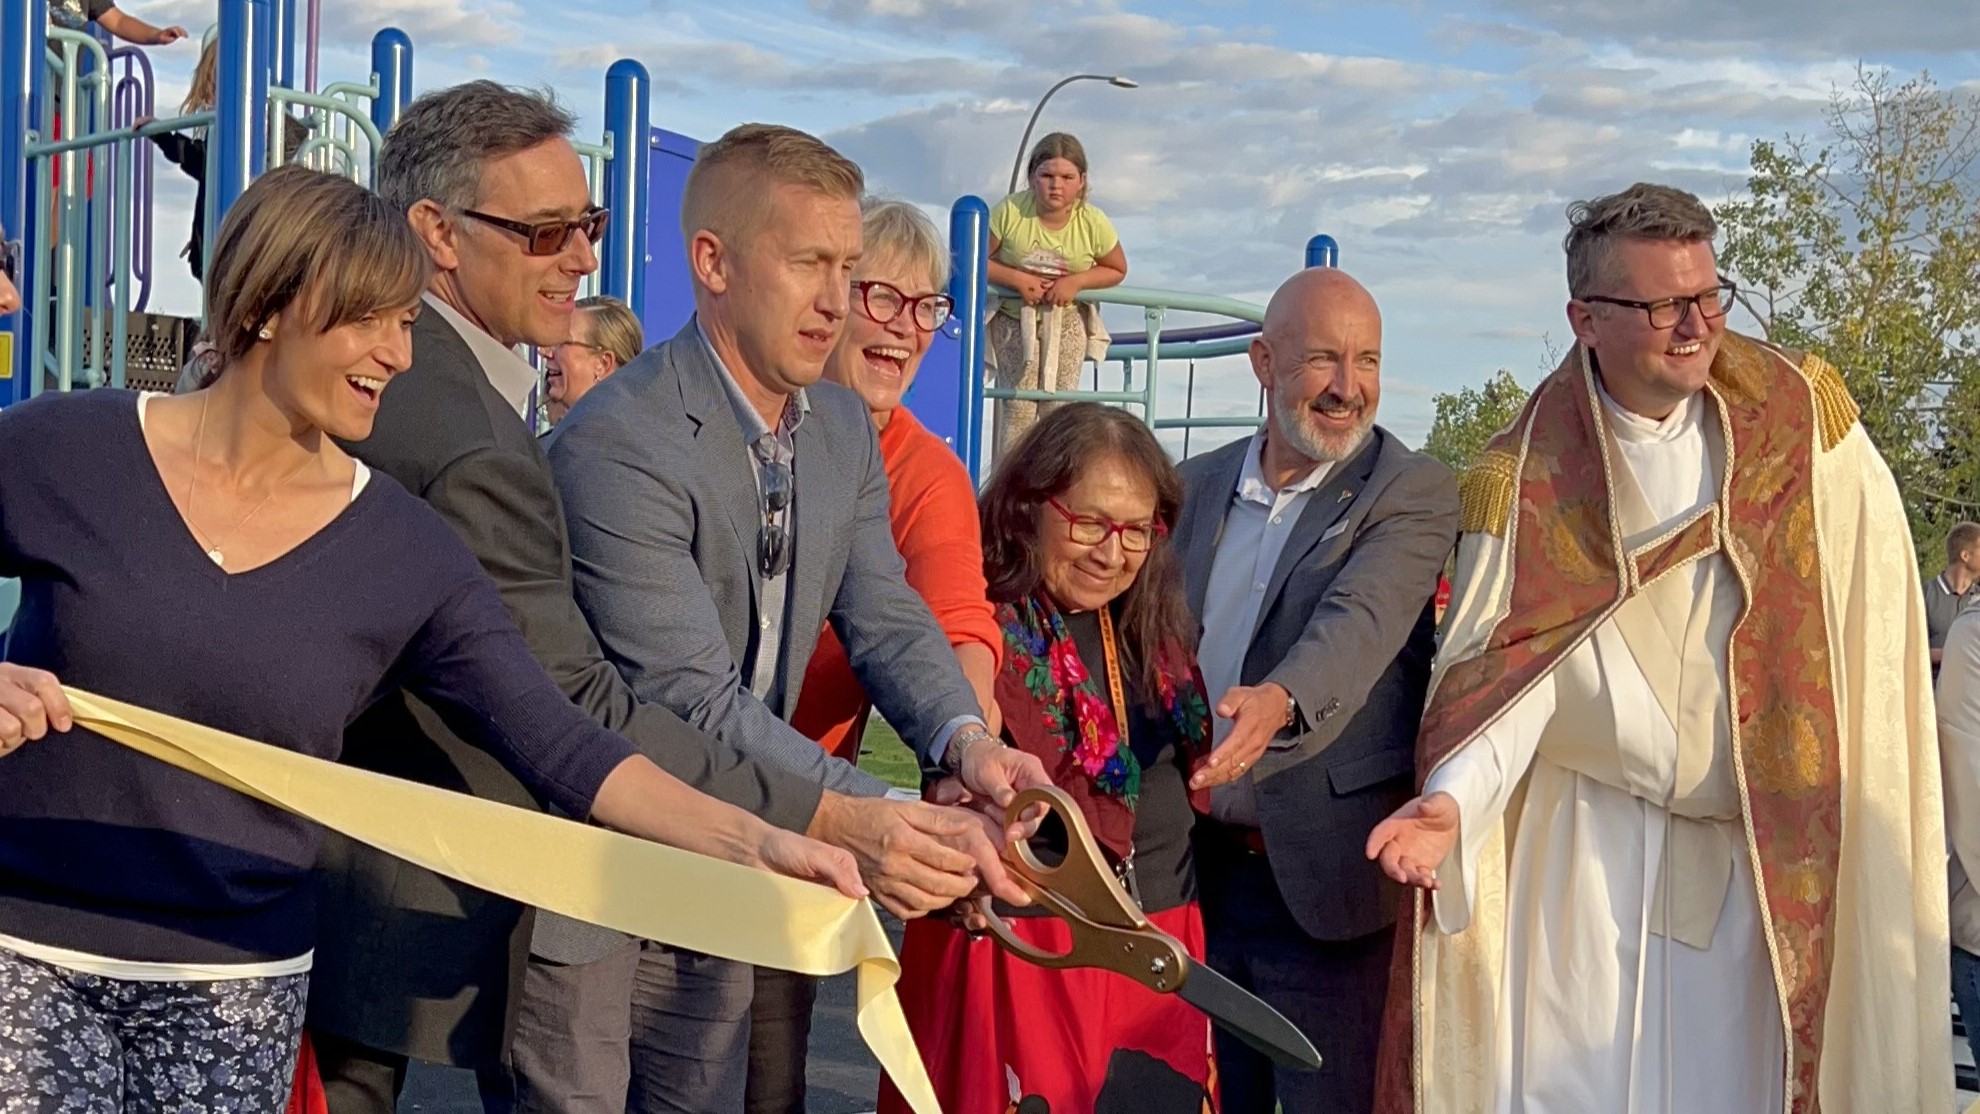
<point x="1100" y="682"/>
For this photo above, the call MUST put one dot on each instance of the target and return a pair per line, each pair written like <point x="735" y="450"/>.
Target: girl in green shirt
<point x="1048" y="244"/>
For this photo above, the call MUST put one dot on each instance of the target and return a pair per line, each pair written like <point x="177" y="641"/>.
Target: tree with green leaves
<point x="1864" y="246"/>
<point x="1466" y="419"/>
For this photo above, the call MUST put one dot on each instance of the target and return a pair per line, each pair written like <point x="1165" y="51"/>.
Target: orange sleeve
<point x="942" y="543"/>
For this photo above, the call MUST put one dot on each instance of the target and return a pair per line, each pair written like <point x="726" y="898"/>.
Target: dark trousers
<point x="648" y="1029"/>
<point x="360" y="1080"/>
<point x="1966" y="992"/>
<point x="779" y="1038"/>
<point x="1334" y="991"/>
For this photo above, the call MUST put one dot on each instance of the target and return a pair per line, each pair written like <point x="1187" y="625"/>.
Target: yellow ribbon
<point x="638" y="887"/>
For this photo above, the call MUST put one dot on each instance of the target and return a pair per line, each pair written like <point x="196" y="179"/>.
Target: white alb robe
<point x="1598" y="1012"/>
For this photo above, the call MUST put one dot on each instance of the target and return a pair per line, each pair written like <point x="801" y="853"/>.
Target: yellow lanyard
<point x="1111" y="655"/>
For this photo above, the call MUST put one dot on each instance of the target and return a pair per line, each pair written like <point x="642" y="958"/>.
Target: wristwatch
<point x="1292" y="711"/>
<point x="965" y="736"/>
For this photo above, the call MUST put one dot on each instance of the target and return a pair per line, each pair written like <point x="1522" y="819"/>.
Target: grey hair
<point x="1642" y="212"/>
<point x="895" y="232"/>
<point x="437" y="149"/>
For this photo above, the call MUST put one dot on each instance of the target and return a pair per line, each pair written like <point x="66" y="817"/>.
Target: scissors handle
<point x="1108" y="929"/>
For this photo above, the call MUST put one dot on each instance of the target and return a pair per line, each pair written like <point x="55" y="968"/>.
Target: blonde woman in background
<point x="605" y="336"/>
<point x="1048" y="243"/>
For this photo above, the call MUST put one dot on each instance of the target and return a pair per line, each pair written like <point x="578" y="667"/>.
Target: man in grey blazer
<point x="413" y="965"/>
<point x="1311" y="554"/>
<point x="723" y="505"/>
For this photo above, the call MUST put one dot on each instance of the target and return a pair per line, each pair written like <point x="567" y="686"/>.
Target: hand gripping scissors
<point x="1110" y="932"/>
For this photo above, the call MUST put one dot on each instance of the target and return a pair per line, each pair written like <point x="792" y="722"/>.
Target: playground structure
<point x="80" y="207"/>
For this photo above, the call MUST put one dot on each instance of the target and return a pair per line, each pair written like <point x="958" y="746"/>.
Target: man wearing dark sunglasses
<point x="724" y="505"/>
<point x="415" y="966"/>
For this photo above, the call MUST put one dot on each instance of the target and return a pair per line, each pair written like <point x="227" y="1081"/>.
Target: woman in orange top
<point x="897" y="306"/>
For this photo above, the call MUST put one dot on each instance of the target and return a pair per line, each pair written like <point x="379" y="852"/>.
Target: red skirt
<point x="1081" y="1040"/>
<point x="306" y="1092"/>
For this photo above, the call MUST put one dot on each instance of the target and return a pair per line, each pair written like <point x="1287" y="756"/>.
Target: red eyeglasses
<point x="1091" y="530"/>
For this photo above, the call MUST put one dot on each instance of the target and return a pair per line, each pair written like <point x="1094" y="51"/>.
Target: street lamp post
<point x="1116" y="81"/>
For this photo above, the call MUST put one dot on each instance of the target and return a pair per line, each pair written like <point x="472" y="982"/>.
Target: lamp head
<point x="1123" y="83"/>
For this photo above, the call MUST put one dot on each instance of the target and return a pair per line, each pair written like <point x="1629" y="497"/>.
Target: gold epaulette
<point x="1486" y="493"/>
<point x="1835" y="410"/>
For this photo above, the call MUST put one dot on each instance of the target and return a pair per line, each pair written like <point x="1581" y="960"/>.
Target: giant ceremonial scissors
<point x="1109" y="931"/>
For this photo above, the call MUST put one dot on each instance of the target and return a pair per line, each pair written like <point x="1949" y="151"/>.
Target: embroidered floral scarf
<point x="1054" y="707"/>
<point x="1573" y="573"/>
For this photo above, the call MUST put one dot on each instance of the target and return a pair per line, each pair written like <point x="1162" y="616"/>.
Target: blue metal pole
<point x="23" y="44"/>
<point x="969" y="285"/>
<point x="282" y="29"/>
<point x="622" y="257"/>
<point x="391" y="60"/>
<point x="1323" y="251"/>
<point x="241" y="112"/>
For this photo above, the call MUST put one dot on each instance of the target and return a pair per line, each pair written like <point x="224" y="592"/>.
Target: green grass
<point x="882" y="754"/>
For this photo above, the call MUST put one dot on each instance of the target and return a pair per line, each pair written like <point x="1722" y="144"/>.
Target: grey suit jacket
<point x="1347" y="628"/>
<point x="409" y="961"/>
<point x="663" y="509"/>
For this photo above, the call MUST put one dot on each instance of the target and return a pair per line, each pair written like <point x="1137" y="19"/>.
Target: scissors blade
<point x="1247" y="1018"/>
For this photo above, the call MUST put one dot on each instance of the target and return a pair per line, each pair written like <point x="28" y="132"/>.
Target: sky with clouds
<point x="1438" y="140"/>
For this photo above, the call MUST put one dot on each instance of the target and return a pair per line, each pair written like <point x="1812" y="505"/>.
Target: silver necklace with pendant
<point x="213" y="551"/>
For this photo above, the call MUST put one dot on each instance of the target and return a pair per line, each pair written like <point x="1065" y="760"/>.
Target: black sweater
<point x="106" y="851"/>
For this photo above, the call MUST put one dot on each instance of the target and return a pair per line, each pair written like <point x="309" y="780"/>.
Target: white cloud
<point x="1807" y="28"/>
<point x="1442" y="165"/>
<point x="432" y="24"/>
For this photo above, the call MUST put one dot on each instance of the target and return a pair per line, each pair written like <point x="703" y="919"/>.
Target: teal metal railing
<point x="59" y="358"/>
<point x="1140" y="363"/>
<point x="337" y="118"/>
<point x="1141" y="360"/>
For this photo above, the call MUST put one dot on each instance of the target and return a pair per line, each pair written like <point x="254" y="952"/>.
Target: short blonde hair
<point x="732" y="178"/>
<point x="895" y="233"/>
<point x="301" y="238"/>
<point x="614" y="329"/>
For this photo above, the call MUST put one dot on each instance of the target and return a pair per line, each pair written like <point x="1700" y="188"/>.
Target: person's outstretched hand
<point x="1413" y="842"/>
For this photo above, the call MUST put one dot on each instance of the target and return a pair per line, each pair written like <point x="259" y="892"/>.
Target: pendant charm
<point x="218" y="557"/>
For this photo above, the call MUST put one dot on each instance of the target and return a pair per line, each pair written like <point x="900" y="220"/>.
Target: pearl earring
<point x="267" y="333"/>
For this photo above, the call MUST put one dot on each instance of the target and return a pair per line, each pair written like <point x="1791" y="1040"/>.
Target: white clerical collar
<point x="1637" y="429"/>
<point x="1251" y="485"/>
<point x="507" y="371"/>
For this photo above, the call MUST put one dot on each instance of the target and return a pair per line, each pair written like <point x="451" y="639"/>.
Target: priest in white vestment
<point x="1679" y="827"/>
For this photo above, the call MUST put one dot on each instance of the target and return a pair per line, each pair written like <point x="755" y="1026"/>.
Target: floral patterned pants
<point x="82" y="1044"/>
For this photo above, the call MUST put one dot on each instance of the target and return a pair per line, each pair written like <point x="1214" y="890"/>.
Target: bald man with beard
<point x="1312" y="551"/>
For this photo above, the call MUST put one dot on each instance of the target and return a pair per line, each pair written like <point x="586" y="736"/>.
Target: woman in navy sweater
<point x="217" y="557"/>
